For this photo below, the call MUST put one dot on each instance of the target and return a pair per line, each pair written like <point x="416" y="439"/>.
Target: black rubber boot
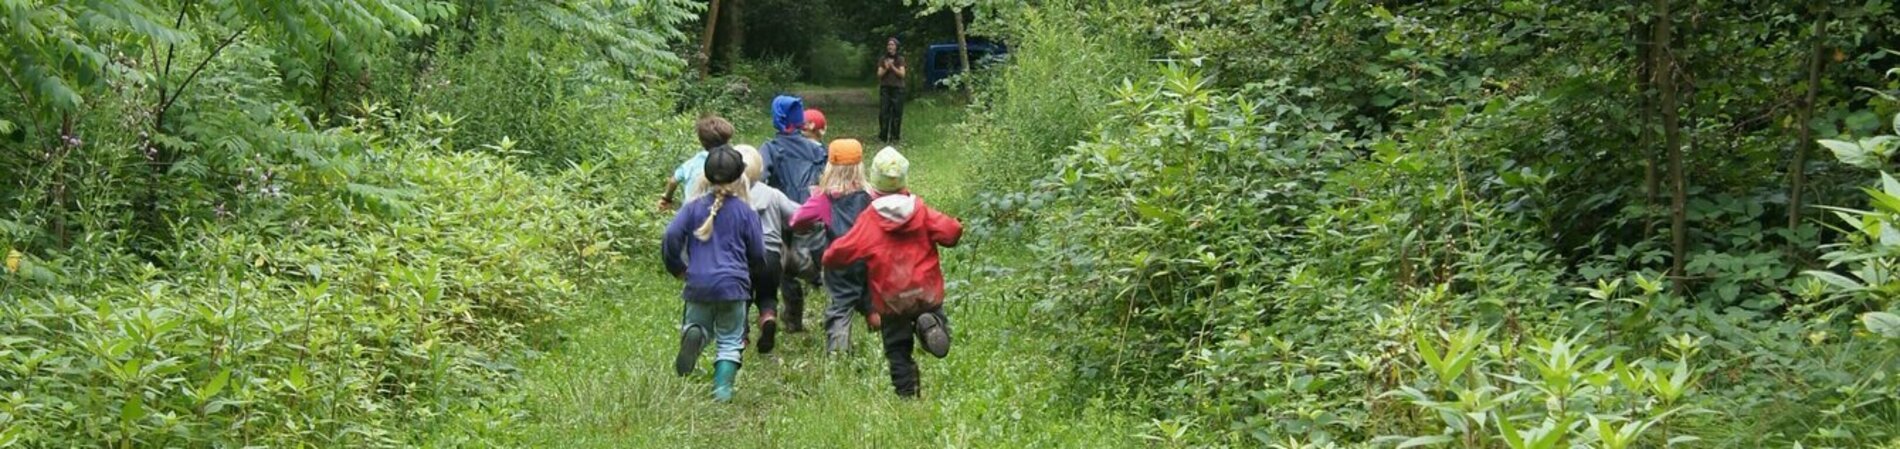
<point x="934" y="330"/>
<point x="692" y="343"/>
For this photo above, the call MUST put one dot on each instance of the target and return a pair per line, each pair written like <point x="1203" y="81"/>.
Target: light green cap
<point x="888" y="170"/>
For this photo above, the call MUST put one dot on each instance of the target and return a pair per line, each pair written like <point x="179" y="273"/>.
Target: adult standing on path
<point x="891" y="73"/>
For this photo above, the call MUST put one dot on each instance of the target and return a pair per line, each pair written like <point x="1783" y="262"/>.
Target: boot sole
<point x="692" y="342"/>
<point x="936" y="341"/>
<point x="768" y="336"/>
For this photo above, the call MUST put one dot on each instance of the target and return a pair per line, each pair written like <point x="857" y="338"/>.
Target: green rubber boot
<point x="723" y="374"/>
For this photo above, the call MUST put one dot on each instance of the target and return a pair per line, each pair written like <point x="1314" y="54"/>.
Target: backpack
<point x="804" y="252"/>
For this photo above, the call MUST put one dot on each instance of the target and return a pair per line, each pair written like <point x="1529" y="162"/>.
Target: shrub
<point x="1293" y="258"/>
<point x="532" y="93"/>
<point x="834" y="61"/>
<point x="354" y="299"/>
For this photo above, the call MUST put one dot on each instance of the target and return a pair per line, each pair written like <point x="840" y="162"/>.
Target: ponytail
<point x="719" y="193"/>
<point x="705" y="230"/>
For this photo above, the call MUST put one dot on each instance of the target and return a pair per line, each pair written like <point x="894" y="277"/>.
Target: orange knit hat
<point x="846" y="152"/>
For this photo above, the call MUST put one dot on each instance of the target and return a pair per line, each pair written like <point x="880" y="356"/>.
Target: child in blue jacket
<point x="794" y="161"/>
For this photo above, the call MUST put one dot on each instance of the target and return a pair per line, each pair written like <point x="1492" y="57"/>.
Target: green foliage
<point x="1056" y="88"/>
<point x="556" y="102"/>
<point x="255" y="223"/>
<point x="330" y="312"/>
<point x="834" y="61"/>
<point x="1316" y="224"/>
<point x="633" y="34"/>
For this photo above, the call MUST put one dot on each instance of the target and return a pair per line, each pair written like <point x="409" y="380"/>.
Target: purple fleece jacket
<point x="716" y="269"/>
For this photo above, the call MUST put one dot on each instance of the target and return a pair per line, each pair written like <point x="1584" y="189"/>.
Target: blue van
<point x="942" y="62"/>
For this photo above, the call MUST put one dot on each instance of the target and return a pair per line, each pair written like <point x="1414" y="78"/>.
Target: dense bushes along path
<point x="610" y="384"/>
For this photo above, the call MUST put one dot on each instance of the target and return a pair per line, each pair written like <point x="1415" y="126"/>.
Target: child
<point x="714" y="131"/>
<point x="715" y="244"/>
<point x="835" y="205"/>
<point x="898" y="244"/>
<point x="793" y="164"/>
<point x="814" y="125"/>
<point x="775" y="210"/>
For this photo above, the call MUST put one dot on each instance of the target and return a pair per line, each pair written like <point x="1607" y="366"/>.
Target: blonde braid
<point x="705" y="230"/>
<point x="736" y="188"/>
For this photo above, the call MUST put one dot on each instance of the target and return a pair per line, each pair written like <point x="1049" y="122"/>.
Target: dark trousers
<point x="793" y="290"/>
<point x="765" y="285"/>
<point x="900" y="343"/>
<point x="847" y="288"/>
<point x="890" y="117"/>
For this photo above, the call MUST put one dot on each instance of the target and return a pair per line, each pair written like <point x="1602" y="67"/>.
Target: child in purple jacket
<point x="715" y="243"/>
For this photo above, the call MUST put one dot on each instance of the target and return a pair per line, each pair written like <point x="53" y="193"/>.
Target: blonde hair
<point x="736" y="188"/>
<point x="754" y="163"/>
<point x="841" y="179"/>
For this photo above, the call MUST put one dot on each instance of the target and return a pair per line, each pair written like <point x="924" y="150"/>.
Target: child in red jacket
<point x="897" y="238"/>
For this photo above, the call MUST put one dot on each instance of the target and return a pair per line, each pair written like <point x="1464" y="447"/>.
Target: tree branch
<point x="25" y="102"/>
<point x="167" y="105"/>
<point x="171" y="52"/>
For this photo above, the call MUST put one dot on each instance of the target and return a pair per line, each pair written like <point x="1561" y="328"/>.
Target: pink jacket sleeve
<point x="849" y="248"/>
<point x="816" y="210"/>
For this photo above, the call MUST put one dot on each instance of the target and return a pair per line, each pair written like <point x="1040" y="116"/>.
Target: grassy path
<point x="611" y="385"/>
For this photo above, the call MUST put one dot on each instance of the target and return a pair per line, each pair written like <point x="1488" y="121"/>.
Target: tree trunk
<point x="735" y="30"/>
<point x="1665" y="72"/>
<point x="963" y="46"/>
<point x="324" y="111"/>
<point x="1646" y="120"/>
<point x="706" y="40"/>
<point x="1804" y="135"/>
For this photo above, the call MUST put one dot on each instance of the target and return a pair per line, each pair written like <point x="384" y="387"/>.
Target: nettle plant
<point x="1484" y="390"/>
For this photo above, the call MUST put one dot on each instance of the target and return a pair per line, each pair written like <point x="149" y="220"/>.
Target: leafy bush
<point x="1056" y="87"/>
<point x="1269" y="248"/>
<point x="220" y="232"/>
<point x="834" y="61"/>
<point x="554" y="103"/>
<point x="322" y="309"/>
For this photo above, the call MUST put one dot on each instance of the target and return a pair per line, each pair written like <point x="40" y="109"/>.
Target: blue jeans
<point x="724" y="321"/>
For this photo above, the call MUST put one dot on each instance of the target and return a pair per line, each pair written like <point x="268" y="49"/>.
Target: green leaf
<point x="1863" y="121"/>
<point x="216" y="385"/>
<point x="1882" y="323"/>
<point x="297" y="379"/>
<point x="1847" y="152"/>
<point x="55" y="91"/>
<point x="1835" y="279"/>
<point x="1431" y="440"/>
<point x="134" y="409"/>
<point x="1383" y="13"/>
<point x="1682" y="439"/>
<point x="1883" y="201"/>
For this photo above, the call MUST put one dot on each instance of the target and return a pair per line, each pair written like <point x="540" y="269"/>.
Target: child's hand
<point x="874" y="320"/>
<point x="666" y="205"/>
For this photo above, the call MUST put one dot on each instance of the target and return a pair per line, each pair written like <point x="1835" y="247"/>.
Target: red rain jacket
<point x="898" y="237"/>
